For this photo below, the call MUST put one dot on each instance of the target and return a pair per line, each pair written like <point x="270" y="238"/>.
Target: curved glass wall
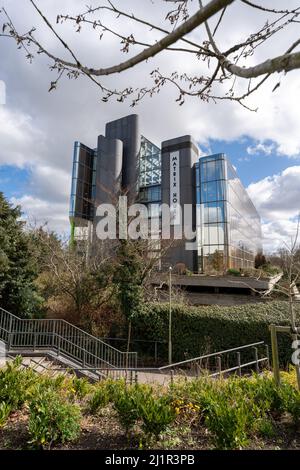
<point x="228" y="225"/>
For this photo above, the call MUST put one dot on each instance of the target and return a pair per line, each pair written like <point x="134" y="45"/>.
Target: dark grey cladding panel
<point x="109" y="169"/>
<point x="127" y="129"/>
<point x="188" y="155"/>
<point x="180" y="143"/>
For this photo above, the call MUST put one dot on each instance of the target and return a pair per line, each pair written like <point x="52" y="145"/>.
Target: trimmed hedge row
<point x="201" y="330"/>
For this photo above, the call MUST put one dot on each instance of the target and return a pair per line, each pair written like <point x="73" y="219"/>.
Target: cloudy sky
<point x="38" y="129"/>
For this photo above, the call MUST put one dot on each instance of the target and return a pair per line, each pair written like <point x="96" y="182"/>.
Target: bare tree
<point x="226" y="70"/>
<point x="65" y="271"/>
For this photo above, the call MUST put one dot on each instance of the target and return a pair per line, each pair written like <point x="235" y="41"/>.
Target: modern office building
<point x="225" y="223"/>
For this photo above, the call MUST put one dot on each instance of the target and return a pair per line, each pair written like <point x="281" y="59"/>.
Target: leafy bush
<point x="16" y="383"/>
<point x="156" y="414"/>
<point x="233" y="272"/>
<point x="236" y="408"/>
<point x="52" y="419"/>
<point x="99" y="399"/>
<point x="227" y="421"/>
<point x="139" y="404"/>
<point x="127" y="402"/>
<point x="80" y="387"/>
<point x="5" y="410"/>
<point x="126" y="407"/>
<point x="265" y="428"/>
<point x="271" y="270"/>
<point x="200" y="330"/>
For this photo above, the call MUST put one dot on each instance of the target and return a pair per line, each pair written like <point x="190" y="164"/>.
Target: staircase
<point x="60" y="342"/>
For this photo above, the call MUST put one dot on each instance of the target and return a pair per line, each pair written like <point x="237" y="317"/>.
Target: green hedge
<point x="201" y="330"/>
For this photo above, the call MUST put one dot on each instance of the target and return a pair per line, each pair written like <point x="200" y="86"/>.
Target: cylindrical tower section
<point x="127" y="129"/>
<point x="109" y="170"/>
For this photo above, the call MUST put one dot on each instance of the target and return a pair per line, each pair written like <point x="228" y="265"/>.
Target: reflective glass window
<point x="212" y="191"/>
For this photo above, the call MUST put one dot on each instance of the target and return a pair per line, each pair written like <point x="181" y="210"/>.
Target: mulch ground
<point x="104" y="432"/>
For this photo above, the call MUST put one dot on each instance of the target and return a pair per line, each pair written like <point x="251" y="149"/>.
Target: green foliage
<point x="129" y="279"/>
<point x="233" y="272"/>
<point x="80" y="387"/>
<point x="201" y="330"/>
<point x="126" y="406"/>
<point x="233" y="410"/>
<point x="16" y="384"/>
<point x="157" y="414"/>
<point x="265" y="428"/>
<point x="18" y="292"/>
<point x="5" y="411"/>
<point x="227" y="421"/>
<point x="268" y="268"/>
<point x="52" y="419"/>
<point x="237" y="408"/>
<point x="140" y="404"/>
<point x="99" y="399"/>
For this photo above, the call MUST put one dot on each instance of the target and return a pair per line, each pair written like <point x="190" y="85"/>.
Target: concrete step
<point x="53" y="365"/>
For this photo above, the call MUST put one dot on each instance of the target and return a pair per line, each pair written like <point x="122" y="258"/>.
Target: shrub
<point x="125" y="405"/>
<point x="80" y="387"/>
<point x="52" y="419"/>
<point x="156" y="414"/>
<point x="99" y="399"/>
<point x="233" y="272"/>
<point x="200" y="330"/>
<point x="5" y="410"/>
<point x="227" y="421"/>
<point x="16" y="383"/>
<point x="265" y="428"/>
<point x="127" y="402"/>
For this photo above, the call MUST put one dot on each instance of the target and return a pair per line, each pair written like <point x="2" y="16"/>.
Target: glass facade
<point x="227" y="223"/>
<point x="150" y="177"/>
<point x="149" y="164"/>
<point x="83" y="183"/>
<point x="211" y="213"/>
<point x="228" y="226"/>
<point x="244" y="222"/>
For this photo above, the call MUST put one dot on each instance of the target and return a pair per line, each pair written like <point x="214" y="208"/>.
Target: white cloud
<point x="38" y="211"/>
<point x="37" y="128"/>
<point x="261" y="148"/>
<point x="2" y="92"/>
<point x="277" y="199"/>
<point x="21" y="141"/>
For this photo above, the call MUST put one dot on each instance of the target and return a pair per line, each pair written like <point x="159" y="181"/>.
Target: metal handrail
<point x="212" y="355"/>
<point x="63" y="337"/>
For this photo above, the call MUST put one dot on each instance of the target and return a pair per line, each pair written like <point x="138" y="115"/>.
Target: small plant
<point x="52" y="419"/>
<point x="80" y="387"/>
<point x="125" y="404"/>
<point x="265" y="428"/>
<point x="157" y="413"/>
<point x="5" y="411"/>
<point x="233" y="272"/>
<point x="99" y="399"/>
<point x="16" y="383"/>
<point x="228" y="422"/>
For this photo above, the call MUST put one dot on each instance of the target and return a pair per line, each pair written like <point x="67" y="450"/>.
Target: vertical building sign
<point x="175" y="188"/>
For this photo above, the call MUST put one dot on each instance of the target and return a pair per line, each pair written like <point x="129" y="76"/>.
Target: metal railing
<point x="64" y="339"/>
<point x="217" y="360"/>
<point x="208" y="365"/>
